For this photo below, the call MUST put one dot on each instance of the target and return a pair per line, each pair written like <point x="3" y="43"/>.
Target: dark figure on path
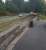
<point x="31" y="24"/>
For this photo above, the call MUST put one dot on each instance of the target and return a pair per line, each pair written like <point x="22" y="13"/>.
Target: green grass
<point x="43" y="17"/>
<point x="7" y="22"/>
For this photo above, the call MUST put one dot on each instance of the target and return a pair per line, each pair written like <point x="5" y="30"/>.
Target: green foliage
<point x="2" y="7"/>
<point x="10" y="7"/>
<point x="17" y="6"/>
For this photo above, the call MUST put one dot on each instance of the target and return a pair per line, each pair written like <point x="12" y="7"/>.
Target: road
<point x="34" y="38"/>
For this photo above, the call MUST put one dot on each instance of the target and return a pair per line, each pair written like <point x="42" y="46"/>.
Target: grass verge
<point x="6" y="23"/>
<point x="43" y="17"/>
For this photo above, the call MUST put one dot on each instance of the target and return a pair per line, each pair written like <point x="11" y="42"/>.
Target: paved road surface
<point x="34" y="39"/>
